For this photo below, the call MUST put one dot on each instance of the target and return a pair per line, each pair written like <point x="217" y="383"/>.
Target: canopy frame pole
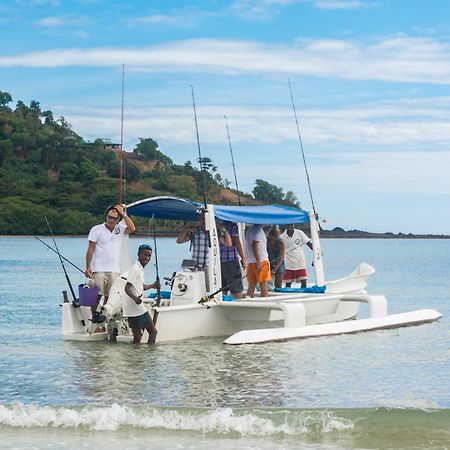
<point x="317" y="249"/>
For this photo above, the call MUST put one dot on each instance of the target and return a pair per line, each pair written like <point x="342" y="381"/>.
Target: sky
<point x="370" y="82"/>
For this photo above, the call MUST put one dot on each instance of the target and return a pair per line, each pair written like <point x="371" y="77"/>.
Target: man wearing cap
<point x="103" y="252"/>
<point x="138" y="317"/>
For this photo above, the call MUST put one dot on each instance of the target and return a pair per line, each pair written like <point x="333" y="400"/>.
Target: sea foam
<point x="222" y="420"/>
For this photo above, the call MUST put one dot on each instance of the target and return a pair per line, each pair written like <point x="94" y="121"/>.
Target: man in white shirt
<point x="258" y="267"/>
<point x="103" y="253"/>
<point x="294" y="258"/>
<point x="138" y="317"/>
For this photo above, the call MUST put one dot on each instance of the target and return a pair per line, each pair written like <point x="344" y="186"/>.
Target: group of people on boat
<point x="275" y="258"/>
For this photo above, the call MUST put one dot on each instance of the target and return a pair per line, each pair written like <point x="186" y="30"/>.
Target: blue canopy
<point x="174" y="208"/>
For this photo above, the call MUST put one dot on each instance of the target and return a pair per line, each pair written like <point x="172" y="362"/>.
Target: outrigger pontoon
<point x="190" y="310"/>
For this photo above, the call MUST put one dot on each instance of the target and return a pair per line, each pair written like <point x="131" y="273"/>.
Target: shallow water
<point x="367" y="390"/>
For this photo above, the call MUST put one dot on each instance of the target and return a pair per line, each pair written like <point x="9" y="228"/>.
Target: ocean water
<point x="384" y="389"/>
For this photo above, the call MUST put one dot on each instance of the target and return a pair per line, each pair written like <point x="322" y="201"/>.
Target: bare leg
<point x="137" y="335"/>
<point x="264" y="286"/>
<point x="278" y="280"/>
<point x="151" y="330"/>
<point x="251" y="289"/>
<point x="237" y="295"/>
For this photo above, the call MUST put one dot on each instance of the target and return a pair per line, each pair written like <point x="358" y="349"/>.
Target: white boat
<point x="190" y="311"/>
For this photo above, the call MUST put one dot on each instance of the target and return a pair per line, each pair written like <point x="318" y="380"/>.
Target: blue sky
<point x="371" y="83"/>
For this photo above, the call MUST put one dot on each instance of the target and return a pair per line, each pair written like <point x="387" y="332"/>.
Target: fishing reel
<point x="98" y="317"/>
<point x="170" y="280"/>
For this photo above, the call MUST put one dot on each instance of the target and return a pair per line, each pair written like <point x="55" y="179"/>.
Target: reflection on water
<point x="405" y="367"/>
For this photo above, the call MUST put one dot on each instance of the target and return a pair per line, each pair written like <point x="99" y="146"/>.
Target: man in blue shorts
<point x="138" y="317"/>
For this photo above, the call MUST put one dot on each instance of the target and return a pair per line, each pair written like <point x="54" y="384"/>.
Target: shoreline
<point x="325" y="234"/>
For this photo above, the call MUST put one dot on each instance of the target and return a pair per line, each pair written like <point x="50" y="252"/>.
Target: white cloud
<point x="405" y="125"/>
<point x="401" y="59"/>
<point x="179" y="18"/>
<point x="342" y="4"/>
<point x="60" y="21"/>
<point x="265" y="9"/>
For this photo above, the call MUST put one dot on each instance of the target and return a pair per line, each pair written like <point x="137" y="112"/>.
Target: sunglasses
<point x="112" y="218"/>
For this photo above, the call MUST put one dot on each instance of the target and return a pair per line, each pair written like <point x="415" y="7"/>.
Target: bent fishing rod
<point x="232" y="161"/>
<point x="62" y="262"/>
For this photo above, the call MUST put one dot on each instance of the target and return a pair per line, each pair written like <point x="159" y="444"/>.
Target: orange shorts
<point x="258" y="276"/>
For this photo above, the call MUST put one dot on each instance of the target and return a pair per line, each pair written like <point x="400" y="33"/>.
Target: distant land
<point x="49" y="171"/>
<point x="336" y="233"/>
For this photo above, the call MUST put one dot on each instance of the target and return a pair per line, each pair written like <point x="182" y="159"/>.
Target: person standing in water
<point x="138" y="317"/>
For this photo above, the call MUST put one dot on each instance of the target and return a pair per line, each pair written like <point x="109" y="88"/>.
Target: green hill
<point x="48" y="170"/>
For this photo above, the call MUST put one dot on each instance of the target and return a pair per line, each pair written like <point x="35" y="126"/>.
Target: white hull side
<point x="283" y="334"/>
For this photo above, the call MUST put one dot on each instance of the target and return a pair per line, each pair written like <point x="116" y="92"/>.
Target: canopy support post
<point x="317" y="249"/>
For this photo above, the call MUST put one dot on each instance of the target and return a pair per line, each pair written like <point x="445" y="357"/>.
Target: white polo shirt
<point x="136" y="278"/>
<point x="256" y="233"/>
<point x="294" y="256"/>
<point x="107" y="249"/>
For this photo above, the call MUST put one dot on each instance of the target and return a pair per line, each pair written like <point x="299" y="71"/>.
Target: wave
<point x="243" y="422"/>
<point x="222" y="420"/>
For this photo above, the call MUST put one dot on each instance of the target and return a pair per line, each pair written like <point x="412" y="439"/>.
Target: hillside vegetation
<point x="48" y="170"/>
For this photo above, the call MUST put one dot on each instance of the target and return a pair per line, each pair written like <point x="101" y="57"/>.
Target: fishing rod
<point x="301" y="147"/>
<point x="121" y="139"/>
<point x="53" y="250"/>
<point x="62" y="261"/>
<point x="232" y="160"/>
<point x="200" y="159"/>
<point x="158" y="291"/>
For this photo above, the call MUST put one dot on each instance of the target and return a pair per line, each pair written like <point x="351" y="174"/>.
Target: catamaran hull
<point x="263" y="320"/>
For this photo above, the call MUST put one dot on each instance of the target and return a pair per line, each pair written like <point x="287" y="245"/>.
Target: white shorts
<point x="104" y="281"/>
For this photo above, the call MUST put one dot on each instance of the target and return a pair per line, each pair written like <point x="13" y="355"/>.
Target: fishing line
<point x="53" y="250"/>
<point x="200" y="159"/>
<point x="62" y="261"/>
<point x="121" y="138"/>
<point x="232" y="160"/>
<point x="301" y="148"/>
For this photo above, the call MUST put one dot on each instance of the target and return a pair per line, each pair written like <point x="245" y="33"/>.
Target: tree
<point x="5" y="98"/>
<point x="88" y="172"/>
<point x="69" y="172"/>
<point x="132" y="172"/>
<point x="6" y="150"/>
<point x="148" y="149"/>
<point x="267" y="193"/>
<point x="291" y="199"/>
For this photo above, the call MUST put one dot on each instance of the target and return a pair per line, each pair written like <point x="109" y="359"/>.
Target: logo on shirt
<point x="117" y="230"/>
<point x="297" y="242"/>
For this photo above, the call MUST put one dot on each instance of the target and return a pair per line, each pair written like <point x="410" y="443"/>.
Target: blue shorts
<point x="139" y="322"/>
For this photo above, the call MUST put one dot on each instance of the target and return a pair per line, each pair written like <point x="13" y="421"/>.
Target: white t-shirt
<point x="136" y="278"/>
<point x="256" y="233"/>
<point x="107" y="249"/>
<point x="294" y="257"/>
